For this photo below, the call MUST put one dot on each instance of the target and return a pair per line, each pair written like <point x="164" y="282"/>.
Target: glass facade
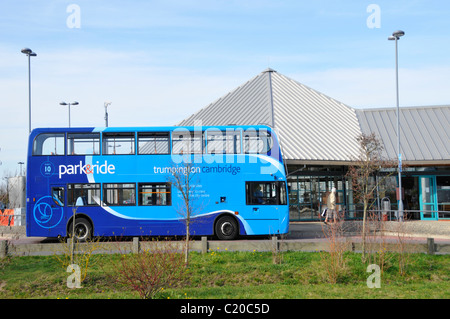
<point x="308" y="195"/>
<point x="443" y="196"/>
<point x="425" y="196"/>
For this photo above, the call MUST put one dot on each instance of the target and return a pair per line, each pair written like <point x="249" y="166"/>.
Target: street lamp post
<point x="69" y="104"/>
<point x="29" y="53"/>
<point x="395" y="37"/>
<point x="106" y="112"/>
<point x="20" y="163"/>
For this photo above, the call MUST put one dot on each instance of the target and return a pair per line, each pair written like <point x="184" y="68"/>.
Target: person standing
<point x="331" y="205"/>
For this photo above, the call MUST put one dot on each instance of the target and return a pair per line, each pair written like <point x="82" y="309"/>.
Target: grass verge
<point x="241" y="275"/>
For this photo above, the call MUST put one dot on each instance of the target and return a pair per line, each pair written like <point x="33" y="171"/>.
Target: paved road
<point x="298" y="231"/>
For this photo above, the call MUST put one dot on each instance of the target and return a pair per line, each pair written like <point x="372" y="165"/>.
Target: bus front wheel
<point x="82" y="231"/>
<point x="226" y="228"/>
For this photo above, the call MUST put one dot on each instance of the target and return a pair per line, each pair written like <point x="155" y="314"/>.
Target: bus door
<point x="59" y="206"/>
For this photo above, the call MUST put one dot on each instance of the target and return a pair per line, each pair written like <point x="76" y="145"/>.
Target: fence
<point x="12" y="217"/>
<point x="204" y="245"/>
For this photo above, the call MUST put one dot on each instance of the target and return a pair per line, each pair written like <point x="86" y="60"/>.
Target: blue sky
<point x="160" y="61"/>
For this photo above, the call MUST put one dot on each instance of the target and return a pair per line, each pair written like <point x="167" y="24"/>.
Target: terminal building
<point x="318" y="136"/>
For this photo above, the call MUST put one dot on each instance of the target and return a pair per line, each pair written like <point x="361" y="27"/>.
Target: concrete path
<point x="305" y="231"/>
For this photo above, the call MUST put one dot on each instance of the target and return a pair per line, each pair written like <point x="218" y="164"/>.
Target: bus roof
<point x="144" y="128"/>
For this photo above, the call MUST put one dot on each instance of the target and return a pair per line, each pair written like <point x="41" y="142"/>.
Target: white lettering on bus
<point x="173" y="170"/>
<point x="87" y="169"/>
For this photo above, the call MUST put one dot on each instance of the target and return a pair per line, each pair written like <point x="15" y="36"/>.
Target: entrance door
<point x="428" y="202"/>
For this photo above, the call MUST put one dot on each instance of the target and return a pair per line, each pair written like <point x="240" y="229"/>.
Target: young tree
<point x="185" y="179"/>
<point x="151" y="270"/>
<point x="363" y="171"/>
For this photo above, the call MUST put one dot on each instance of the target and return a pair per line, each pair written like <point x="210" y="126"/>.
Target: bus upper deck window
<point x="83" y="143"/>
<point x="257" y="142"/>
<point x="223" y="142"/>
<point x="187" y="142"/>
<point x="49" y="144"/>
<point x="153" y="143"/>
<point x="118" y="143"/>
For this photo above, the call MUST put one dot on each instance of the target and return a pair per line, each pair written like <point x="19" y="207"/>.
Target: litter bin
<point x="385" y="208"/>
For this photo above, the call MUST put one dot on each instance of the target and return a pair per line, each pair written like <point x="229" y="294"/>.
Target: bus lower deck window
<point x="83" y="194"/>
<point x="119" y="194"/>
<point x="265" y="193"/>
<point x="154" y="194"/>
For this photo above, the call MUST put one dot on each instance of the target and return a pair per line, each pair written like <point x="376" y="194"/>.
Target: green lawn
<point x="221" y="274"/>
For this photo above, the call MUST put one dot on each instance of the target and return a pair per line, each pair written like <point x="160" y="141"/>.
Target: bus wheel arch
<point x="84" y="227"/>
<point x="226" y="227"/>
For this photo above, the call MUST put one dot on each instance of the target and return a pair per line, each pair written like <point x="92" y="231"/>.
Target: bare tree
<point x="185" y="179"/>
<point x="4" y="194"/>
<point x="363" y="171"/>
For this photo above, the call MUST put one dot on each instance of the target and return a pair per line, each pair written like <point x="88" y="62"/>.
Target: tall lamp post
<point x="69" y="104"/>
<point x="29" y="53"/>
<point x="20" y="163"/>
<point x="395" y="37"/>
<point x="106" y="112"/>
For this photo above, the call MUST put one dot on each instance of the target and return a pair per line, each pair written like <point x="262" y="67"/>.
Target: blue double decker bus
<point x="110" y="181"/>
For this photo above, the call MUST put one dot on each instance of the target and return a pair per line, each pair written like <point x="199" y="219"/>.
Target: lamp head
<point x="28" y="52"/>
<point x="398" y="33"/>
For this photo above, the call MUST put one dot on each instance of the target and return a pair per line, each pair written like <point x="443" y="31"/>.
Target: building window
<point x="49" y="144"/>
<point x="118" y="143"/>
<point x="154" y="194"/>
<point x="153" y="143"/>
<point x="83" y="194"/>
<point x="83" y="143"/>
<point x="443" y="196"/>
<point x="266" y="193"/>
<point x="119" y="194"/>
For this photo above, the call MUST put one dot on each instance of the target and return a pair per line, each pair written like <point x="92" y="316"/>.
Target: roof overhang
<point x="317" y="162"/>
<point x="348" y="163"/>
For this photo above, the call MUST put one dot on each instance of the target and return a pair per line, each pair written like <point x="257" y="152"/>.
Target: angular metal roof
<point x="246" y="105"/>
<point x="313" y="127"/>
<point x="424" y="131"/>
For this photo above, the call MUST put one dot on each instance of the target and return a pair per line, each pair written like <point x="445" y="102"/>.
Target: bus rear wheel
<point x="226" y="228"/>
<point x="82" y="231"/>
